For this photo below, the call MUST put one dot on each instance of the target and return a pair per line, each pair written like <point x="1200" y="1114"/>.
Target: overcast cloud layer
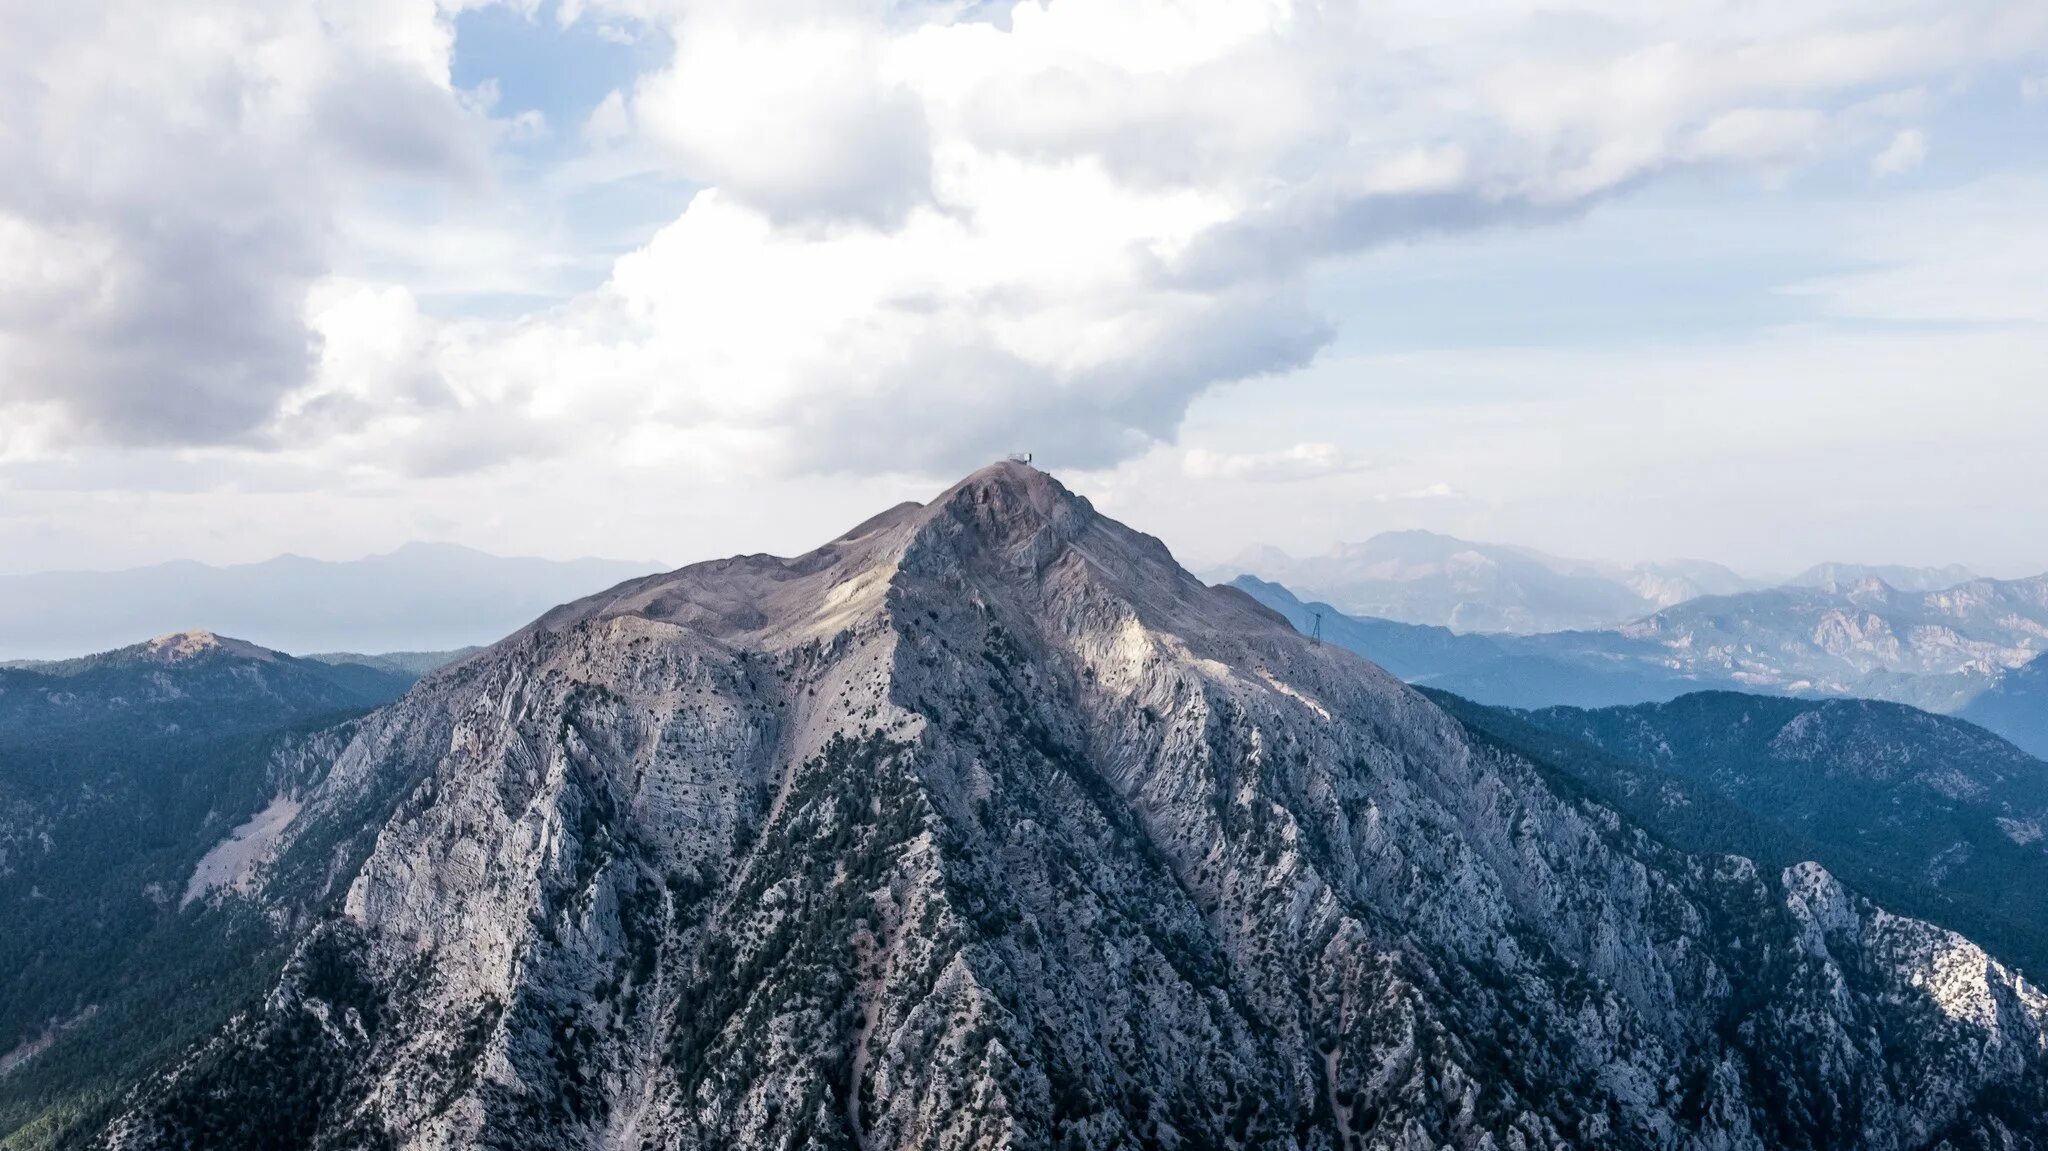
<point x="256" y="258"/>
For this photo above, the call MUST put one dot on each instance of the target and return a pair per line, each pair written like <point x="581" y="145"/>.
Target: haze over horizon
<point x="690" y="278"/>
<point x="1244" y="561"/>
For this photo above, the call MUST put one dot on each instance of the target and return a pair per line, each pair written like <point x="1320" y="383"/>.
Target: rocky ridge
<point x="987" y="825"/>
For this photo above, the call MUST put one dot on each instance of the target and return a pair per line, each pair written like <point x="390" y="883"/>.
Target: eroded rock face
<point x="988" y="826"/>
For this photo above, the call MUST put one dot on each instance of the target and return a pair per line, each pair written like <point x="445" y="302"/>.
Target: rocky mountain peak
<point x="986" y="825"/>
<point x="194" y="643"/>
<point x="1011" y="489"/>
<point x="1007" y="522"/>
<point x="1009" y="515"/>
<point x="1011" y="520"/>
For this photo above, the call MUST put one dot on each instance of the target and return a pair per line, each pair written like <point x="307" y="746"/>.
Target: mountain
<point x="409" y="664"/>
<point x="1895" y="575"/>
<point x="129" y="782"/>
<point x="987" y="825"/>
<point x="1503" y="670"/>
<point x="1939" y="651"/>
<point x="2016" y="707"/>
<point x="1413" y="652"/>
<point x="420" y="597"/>
<point x="1940" y="817"/>
<point x="179" y="685"/>
<point x="1676" y="581"/>
<point x="1421" y="577"/>
<point x="1936" y="649"/>
<point x="1424" y="578"/>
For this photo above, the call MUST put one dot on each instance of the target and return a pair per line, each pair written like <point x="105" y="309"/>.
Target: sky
<point x="1758" y="282"/>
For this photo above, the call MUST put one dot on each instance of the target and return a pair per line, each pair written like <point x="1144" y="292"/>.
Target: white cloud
<point x="1757" y="135"/>
<point x="926" y="241"/>
<point x="915" y="240"/>
<point x="1907" y="151"/>
<point x="796" y="119"/>
<point x="1300" y="462"/>
<point x="173" y="175"/>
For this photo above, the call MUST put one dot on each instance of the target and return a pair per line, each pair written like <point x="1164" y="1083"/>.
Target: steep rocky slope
<point x="1932" y="815"/>
<point x="986" y="825"/>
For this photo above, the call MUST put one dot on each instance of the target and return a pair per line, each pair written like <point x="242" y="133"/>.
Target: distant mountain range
<point x="439" y="598"/>
<point x="1896" y="575"/>
<point x="1944" y="651"/>
<point x="408" y="664"/>
<point x="1934" y="649"/>
<point x="420" y="597"/>
<point x="1426" y="578"/>
<point x="1423" y="577"/>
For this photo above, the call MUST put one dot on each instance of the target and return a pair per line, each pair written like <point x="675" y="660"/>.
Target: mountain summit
<point x="987" y="825"/>
<point x="180" y="646"/>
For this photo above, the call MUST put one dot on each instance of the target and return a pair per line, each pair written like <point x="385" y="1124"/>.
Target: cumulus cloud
<point x="172" y="179"/>
<point x="915" y="239"/>
<point x="925" y="240"/>
<point x="798" y="120"/>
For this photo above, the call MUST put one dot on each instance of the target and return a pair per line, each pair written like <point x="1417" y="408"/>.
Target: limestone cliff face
<point x="986" y="825"/>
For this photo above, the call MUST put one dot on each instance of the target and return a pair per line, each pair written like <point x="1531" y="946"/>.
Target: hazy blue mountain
<point x="1667" y="582"/>
<point x="1415" y="652"/>
<point x="1504" y="670"/>
<point x="413" y="664"/>
<point x="1942" y="651"/>
<point x="1422" y="577"/>
<point x="2016" y="707"/>
<point x="422" y="597"/>
<point x="1900" y="576"/>
<point x="129" y="782"/>
<point x="1425" y="578"/>
<point x="1936" y="650"/>
<point x="1934" y="816"/>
